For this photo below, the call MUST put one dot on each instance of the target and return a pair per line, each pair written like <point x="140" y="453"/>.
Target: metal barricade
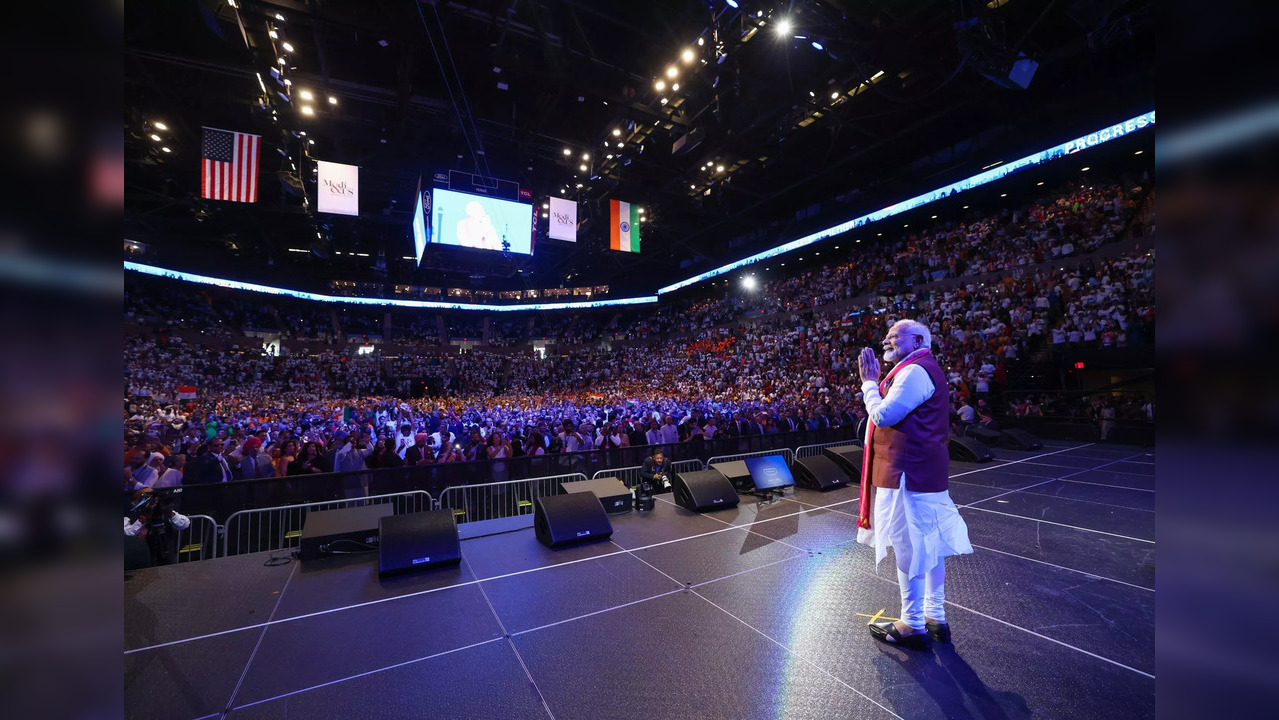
<point x="199" y="541"/>
<point x="784" y="452"/>
<point x="630" y="475"/>
<point x="275" y="528"/>
<point x="490" y="501"/>
<point x="807" y="451"/>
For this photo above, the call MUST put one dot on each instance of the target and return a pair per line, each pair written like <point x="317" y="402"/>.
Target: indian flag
<point x="624" y="232"/>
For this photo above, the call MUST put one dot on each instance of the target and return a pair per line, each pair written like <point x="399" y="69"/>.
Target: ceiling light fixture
<point x="287" y="47"/>
<point x="333" y="100"/>
<point x="660" y="85"/>
<point x="586" y="156"/>
<point x="165" y="149"/>
<point x="306" y="95"/>
<point x="308" y="110"/>
<point x="672" y="72"/>
<point x="155" y="137"/>
<point x="582" y="168"/>
<point x="675" y="87"/>
<point x="567" y="152"/>
<point x="783" y="28"/>
<point x="617" y="132"/>
<point x="688" y="55"/>
<point x="161" y="126"/>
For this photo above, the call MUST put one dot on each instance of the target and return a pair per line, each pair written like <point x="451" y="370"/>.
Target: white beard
<point x="890" y="356"/>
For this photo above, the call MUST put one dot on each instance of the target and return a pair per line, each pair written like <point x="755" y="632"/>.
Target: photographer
<point x="148" y="516"/>
<point x="656" y="472"/>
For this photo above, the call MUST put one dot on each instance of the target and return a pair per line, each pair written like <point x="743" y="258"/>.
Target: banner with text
<point x="563" y="219"/>
<point x="339" y="188"/>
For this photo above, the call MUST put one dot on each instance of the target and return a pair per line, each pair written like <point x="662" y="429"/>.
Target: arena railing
<point x="784" y="452"/>
<point x="199" y="541"/>
<point x="807" y="451"/>
<point x="277" y="528"/>
<point x="630" y="476"/>
<point x="490" y="501"/>
<point x="221" y="500"/>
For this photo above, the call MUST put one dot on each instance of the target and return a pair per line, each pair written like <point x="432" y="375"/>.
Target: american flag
<point x="229" y="165"/>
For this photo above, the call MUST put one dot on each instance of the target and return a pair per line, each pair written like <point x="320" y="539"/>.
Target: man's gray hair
<point x="912" y="327"/>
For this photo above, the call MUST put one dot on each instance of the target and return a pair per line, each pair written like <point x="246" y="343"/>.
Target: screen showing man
<point x="485" y="223"/>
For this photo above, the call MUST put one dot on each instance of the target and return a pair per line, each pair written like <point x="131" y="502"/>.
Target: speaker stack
<point x="820" y="473"/>
<point x="703" y="490"/>
<point x="561" y="520"/>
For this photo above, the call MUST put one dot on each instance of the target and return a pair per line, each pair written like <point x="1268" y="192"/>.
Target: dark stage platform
<point x="755" y="612"/>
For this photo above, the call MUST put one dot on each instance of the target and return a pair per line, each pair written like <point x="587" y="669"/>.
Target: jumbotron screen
<point x="478" y="221"/>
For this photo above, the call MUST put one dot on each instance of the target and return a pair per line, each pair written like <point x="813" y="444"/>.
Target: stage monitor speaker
<point x="1018" y="439"/>
<point x="737" y="473"/>
<point x="560" y="520"/>
<point x="614" y="496"/>
<point x="969" y="450"/>
<point x="703" y="490"/>
<point x="417" y="541"/>
<point x="848" y="457"/>
<point x="984" y="434"/>
<point x="352" y="528"/>
<point x="820" y="473"/>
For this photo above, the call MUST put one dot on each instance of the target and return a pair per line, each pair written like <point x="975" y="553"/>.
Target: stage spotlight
<point x="688" y="55"/>
<point x="306" y="95"/>
<point x="333" y="100"/>
<point x="640" y="210"/>
<point x="308" y="110"/>
<point x="155" y="137"/>
<point x="660" y="85"/>
<point x="162" y="126"/>
<point x="287" y="47"/>
<point x="817" y="46"/>
<point x="783" y="28"/>
<point x="731" y="3"/>
<point x="567" y="152"/>
<point x="586" y="156"/>
<point x="165" y="149"/>
<point x="546" y="206"/>
<point x="672" y="72"/>
<point x="748" y="282"/>
<point x="719" y="168"/>
<point x="701" y="42"/>
<point x="664" y="101"/>
<point x="311" y="141"/>
<point x="834" y="96"/>
<point x="582" y="168"/>
<point x="617" y="132"/>
<point x="675" y="87"/>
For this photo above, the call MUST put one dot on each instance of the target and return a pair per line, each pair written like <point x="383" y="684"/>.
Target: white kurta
<point x="922" y="528"/>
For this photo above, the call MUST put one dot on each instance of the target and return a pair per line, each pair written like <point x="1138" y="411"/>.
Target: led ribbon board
<point x="1069" y="147"/>
<point x="385" y="302"/>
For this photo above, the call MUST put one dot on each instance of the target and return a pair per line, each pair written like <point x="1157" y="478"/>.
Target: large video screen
<point x="419" y="228"/>
<point x="477" y="221"/>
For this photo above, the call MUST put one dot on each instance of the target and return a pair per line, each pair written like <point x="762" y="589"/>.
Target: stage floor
<point x="754" y="612"/>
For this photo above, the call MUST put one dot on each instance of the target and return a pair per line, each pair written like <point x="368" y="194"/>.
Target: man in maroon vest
<point x="905" y="491"/>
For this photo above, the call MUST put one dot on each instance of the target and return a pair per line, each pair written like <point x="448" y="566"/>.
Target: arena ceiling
<point x="857" y="102"/>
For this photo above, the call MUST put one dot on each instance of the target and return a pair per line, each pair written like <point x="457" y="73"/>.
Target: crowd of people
<point x="771" y="361"/>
